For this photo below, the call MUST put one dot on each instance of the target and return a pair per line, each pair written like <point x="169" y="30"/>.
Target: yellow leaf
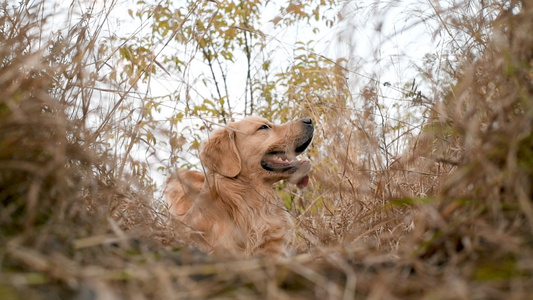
<point x="276" y="20"/>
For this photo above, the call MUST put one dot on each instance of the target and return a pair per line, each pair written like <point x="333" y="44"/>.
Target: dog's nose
<point x="307" y="121"/>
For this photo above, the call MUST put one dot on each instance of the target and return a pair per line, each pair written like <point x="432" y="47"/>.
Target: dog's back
<point x="181" y="190"/>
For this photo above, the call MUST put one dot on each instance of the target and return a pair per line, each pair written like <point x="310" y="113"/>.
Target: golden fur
<point x="232" y="206"/>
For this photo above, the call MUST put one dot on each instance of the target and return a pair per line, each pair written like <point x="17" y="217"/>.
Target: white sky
<point x="387" y="56"/>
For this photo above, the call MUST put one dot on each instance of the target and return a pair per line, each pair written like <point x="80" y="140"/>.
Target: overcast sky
<point x="384" y="43"/>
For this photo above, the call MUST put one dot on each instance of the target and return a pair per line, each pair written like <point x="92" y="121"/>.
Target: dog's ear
<point x="219" y="153"/>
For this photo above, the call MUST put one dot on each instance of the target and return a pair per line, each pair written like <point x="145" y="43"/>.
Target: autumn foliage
<point x="421" y="184"/>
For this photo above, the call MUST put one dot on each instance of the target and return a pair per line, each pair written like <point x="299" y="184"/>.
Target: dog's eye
<point x="264" y="126"/>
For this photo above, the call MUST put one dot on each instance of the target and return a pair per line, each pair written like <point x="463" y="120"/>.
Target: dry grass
<point x="450" y="219"/>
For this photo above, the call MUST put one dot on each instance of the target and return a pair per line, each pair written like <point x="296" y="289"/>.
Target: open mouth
<point x="282" y="161"/>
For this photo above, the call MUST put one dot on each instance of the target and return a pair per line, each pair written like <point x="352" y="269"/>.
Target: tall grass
<point x="451" y="216"/>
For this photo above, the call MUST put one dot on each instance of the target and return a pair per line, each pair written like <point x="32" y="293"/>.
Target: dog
<point x="232" y="206"/>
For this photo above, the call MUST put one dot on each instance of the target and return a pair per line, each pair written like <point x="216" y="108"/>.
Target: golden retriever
<point x="232" y="206"/>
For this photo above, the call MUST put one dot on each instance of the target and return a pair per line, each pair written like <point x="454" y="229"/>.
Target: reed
<point x="450" y="216"/>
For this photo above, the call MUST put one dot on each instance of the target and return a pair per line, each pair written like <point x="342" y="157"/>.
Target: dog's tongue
<point x="304" y="181"/>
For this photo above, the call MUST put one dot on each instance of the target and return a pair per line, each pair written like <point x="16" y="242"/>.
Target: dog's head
<point x="256" y="149"/>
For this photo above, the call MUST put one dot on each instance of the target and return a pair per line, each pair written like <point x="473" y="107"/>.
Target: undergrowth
<point x="449" y="217"/>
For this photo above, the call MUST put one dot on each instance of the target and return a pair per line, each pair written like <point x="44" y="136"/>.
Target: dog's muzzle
<point x="285" y="160"/>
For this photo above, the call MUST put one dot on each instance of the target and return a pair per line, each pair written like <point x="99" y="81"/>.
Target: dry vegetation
<point x="452" y="218"/>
